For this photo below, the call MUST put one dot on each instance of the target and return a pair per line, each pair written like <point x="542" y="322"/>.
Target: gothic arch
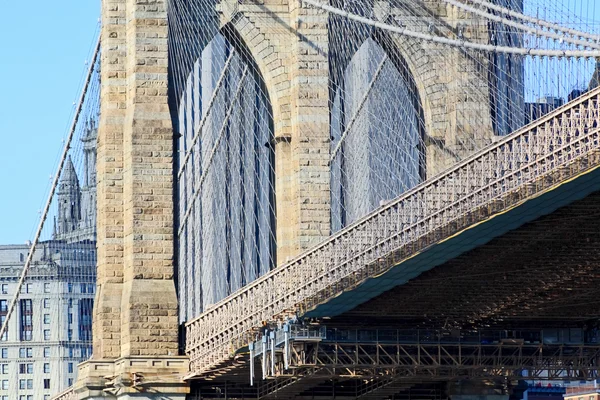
<point x="377" y="130"/>
<point x="266" y="57"/>
<point x="226" y="187"/>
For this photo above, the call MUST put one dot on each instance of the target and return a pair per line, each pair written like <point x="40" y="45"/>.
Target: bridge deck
<point x="513" y="175"/>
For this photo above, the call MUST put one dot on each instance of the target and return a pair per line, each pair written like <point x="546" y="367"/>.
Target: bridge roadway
<point x="505" y="238"/>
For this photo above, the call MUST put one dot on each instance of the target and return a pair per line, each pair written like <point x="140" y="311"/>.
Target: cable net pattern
<point x="226" y="176"/>
<point x="298" y="118"/>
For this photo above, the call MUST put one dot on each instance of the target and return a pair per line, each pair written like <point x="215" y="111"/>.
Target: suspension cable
<point x="453" y="42"/>
<point x="214" y="150"/>
<point x="358" y="109"/>
<point x="205" y="116"/>
<point x="518" y="25"/>
<point x="537" y="21"/>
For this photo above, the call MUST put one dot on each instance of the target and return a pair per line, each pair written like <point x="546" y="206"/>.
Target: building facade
<point x="50" y="330"/>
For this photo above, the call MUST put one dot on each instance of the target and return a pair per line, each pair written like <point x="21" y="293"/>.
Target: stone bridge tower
<point x="301" y="53"/>
<point x="135" y="315"/>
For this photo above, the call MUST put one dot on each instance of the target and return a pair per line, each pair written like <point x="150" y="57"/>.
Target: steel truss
<point x="545" y="153"/>
<point x="445" y="361"/>
<point x="363" y="369"/>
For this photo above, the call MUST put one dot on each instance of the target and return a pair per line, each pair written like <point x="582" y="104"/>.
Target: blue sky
<point x="44" y="45"/>
<point x="41" y="65"/>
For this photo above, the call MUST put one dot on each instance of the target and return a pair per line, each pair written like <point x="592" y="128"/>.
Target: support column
<point x="107" y="309"/>
<point x="303" y="207"/>
<point x="135" y="317"/>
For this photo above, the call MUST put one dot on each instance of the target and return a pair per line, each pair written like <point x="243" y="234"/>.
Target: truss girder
<point x="540" y="156"/>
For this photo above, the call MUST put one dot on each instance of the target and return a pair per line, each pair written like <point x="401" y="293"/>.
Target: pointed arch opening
<point x="225" y="178"/>
<point x="377" y="128"/>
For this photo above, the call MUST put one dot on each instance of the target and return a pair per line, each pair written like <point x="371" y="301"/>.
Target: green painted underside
<point x="470" y="238"/>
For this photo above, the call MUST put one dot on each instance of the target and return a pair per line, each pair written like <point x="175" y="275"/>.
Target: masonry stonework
<point x="135" y="320"/>
<point x="289" y="41"/>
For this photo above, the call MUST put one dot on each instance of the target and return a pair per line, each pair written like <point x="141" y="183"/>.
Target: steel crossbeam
<point x="539" y="156"/>
<point x="365" y="368"/>
<point x="446" y="361"/>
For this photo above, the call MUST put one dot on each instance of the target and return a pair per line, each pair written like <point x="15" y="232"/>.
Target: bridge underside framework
<point x="522" y="284"/>
<point x="365" y="369"/>
<point x="548" y="279"/>
<point x="350" y="166"/>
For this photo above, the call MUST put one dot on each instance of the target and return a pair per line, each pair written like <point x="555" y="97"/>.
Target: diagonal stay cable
<point x="206" y="113"/>
<point x="358" y="109"/>
<point x="213" y="152"/>
<point x="61" y="164"/>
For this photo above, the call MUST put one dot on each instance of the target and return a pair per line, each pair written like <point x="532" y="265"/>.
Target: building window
<point x="4" y="352"/>
<point x="46" y="303"/>
<point x="4" y="397"/>
<point x="83" y="287"/>
<point x="46" y="352"/>
<point x="26" y="352"/>
<point x="4" y="288"/>
<point x="3" y="313"/>
<point x="70" y="318"/>
<point x="46" y="319"/>
<point x="26" y="320"/>
<point x="46" y="287"/>
<point x="85" y="319"/>
<point x="46" y="397"/>
<point x="22" y="397"/>
<point x="70" y="334"/>
<point x="70" y="303"/>
<point x="91" y="288"/>
<point x="4" y="369"/>
<point x="26" y="368"/>
<point x="70" y="368"/>
<point x="46" y="334"/>
<point x="70" y="382"/>
<point x="70" y="352"/>
<point x="26" y="288"/>
<point x="70" y="287"/>
<point x="47" y="384"/>
<point x="29" y="397"/>
<point x="46" y="368"/>
<point x="22" y="384"/>
<point x="5" y="384"/>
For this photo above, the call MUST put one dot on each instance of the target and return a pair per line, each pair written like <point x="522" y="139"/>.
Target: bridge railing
<point x="526" y="162"/>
